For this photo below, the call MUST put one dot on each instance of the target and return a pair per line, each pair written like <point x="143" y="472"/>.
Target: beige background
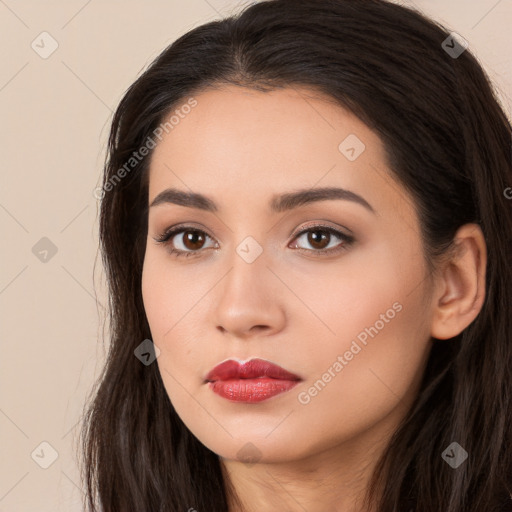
<point x="55" y="115"/>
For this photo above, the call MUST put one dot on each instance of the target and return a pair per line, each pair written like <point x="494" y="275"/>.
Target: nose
<point x="250" y="300"/>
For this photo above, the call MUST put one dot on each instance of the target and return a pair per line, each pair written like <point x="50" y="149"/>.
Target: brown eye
<point x="319" y="238"/>
<point x="190" y="243"/>
<point x="193" y="239"/>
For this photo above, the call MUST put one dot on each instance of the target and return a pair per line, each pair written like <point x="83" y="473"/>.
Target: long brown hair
<point x="448" y="143"/>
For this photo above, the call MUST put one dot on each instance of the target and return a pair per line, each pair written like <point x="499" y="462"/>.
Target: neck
<point x="334" y="480"/>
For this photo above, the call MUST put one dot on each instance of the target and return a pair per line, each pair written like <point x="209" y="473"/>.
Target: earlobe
<point x="460" y="291"/>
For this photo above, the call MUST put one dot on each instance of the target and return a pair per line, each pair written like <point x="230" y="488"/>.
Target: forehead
<point x="241" y="144"/>
<point x="243" y="120"/>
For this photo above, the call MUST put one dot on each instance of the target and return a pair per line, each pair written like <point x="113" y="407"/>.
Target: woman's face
<point x="352" y="323"/>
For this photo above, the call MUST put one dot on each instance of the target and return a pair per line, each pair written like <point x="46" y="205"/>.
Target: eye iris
<point x="315" y="240"/>
<point x="192" y="237"/>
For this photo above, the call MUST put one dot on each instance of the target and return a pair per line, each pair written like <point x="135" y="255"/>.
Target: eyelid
<point x="179" y="228"/>
<point x="320" y="224"/>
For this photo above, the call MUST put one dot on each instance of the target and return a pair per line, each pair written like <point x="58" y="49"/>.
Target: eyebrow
<point x="278" y="203"/>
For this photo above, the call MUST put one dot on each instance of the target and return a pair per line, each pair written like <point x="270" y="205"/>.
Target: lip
<point x="253" y="381"/>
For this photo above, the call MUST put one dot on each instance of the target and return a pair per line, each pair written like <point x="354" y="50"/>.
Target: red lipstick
<point x="250" y="382"/>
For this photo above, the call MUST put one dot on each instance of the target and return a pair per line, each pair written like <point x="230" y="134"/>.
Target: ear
<point x="460" y="287"/>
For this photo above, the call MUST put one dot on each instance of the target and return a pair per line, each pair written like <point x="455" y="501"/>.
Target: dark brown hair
<point x="448" y="143"/>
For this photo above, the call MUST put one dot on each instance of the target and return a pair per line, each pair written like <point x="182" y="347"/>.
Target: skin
<point x="301" y="311"/>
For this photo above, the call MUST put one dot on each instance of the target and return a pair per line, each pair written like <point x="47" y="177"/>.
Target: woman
<point x="307" y="236"/>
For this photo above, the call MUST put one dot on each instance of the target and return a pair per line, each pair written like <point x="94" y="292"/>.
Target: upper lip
<point x="251" y="369"/>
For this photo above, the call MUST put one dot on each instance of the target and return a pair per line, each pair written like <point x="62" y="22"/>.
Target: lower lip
<point x="251" y="390"/>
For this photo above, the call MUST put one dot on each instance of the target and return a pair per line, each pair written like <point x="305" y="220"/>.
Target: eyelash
<point x="347" y="240"/>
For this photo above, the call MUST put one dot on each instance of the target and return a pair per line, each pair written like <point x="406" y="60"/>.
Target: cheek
<point x="374" y="335"/>
<point x="375" y="360"/>
<point x="353" y="301"/>
<point x="361" y="383"/>
<point x="172" y="302"/>
<point x="167" y="294"/>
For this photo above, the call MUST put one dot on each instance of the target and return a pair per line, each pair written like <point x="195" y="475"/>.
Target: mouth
<point x="253" y="381"/>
